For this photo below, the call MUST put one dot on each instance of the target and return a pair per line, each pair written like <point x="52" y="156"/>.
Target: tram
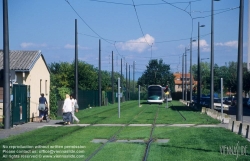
<point x="156" y="94"/>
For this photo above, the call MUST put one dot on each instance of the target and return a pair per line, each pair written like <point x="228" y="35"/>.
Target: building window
<point x="46" y="92"/>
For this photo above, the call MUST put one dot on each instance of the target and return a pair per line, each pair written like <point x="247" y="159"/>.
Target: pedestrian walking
<point x="74" y="107"/>
<point x="67" y="109"/>
<point x="42" y="104"/>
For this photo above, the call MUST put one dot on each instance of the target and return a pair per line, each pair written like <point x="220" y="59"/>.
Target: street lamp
<point x="212" y="57"/>
<point x="191" y="83"/>
<point x="239" y="116"/>
<point x="186" y="73"/>
<point x="199" y="71"/>
<point x="182" y="82"/>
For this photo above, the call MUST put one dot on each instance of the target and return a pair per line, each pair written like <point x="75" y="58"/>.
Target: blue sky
<point x="135" y="30"/>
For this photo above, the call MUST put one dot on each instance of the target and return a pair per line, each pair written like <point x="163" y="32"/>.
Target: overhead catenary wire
<point x="85" y="21"/>
<point x="145" y="4"/>
<point x="217" y="13"/>
<point x="114" y="42"/>
<point x="139" y="22"/>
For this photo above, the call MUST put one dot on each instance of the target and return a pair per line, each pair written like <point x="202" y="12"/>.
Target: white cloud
<point x="32" y="45"/>
<point x="181" y="46"/>
<point x="233" y="44"/>
<point x="204" y="47"/>
<point x="203" y="43"/>
<point x="70" y="46"/>
<point x="138" y="45"/>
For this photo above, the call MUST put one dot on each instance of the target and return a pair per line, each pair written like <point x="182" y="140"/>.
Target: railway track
<point x="113" y="138"/>
<point x="151" y="139"/>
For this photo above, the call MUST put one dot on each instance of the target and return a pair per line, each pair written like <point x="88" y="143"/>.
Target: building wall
<point x="39" y="81"/>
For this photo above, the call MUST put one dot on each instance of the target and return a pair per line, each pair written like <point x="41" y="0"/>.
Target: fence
<point x="90" y="98"/>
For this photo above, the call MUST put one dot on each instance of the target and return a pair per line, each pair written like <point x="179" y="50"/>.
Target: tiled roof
<point x="21" y="60"/>
<point x="178" y="76"/>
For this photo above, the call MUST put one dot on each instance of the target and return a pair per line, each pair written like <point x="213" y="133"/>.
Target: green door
<point x="20" y="112"/>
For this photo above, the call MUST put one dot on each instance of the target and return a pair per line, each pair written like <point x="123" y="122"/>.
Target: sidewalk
<point x="18" y="129"/>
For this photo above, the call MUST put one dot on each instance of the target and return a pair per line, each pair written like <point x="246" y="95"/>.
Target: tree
<point x="229" y="74"/>
<point x="157" y="73"/>
<point x="246" y="79"/>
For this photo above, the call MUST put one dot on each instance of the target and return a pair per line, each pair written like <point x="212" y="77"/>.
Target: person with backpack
<point x="42" y="103"/>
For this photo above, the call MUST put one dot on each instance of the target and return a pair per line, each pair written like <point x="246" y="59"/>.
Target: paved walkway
<point x="18" y="129"/>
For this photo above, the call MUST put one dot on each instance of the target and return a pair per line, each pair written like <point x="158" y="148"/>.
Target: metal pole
<point x="221" y="99"/>
<point x="191" y="81"/>
<point x="212" y="59"/>
<point x="129" y="82"/>
<point x="121" y="75"/>
<point x="239" y="116"/>
<point x="199" y="80"/>
<point x="166" y="100"/>
<point x="139" y="94"/>
<point x="185" y="75"/>
<point x="182" y="79"/>
<point x="118" y="97"/>
<point x="126" y="81"/>
<point x="99" y="76"/>
<point x="112" y="79"/>
<point x="6" y="66"/>
<point x="133" y="76"/>
<point x="76" y="61"/>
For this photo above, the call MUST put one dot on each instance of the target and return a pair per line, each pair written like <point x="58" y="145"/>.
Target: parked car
<point x="205" y="101"/>
<point x="227" y="101"/>
<point x="217" y="105"/>
<point x="248" y="102"/>
<point x="245" y="100"/>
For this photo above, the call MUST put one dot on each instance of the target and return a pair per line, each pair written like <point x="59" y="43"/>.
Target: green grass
<point x="173" y="115"/>
<point x="192" y="143"/>
<point x="131" y="113"/>
<point x="62" y="136"/>
<point x="121" y="152"/>
<point x="131" y="133"/>
<point x="186" y="143"/>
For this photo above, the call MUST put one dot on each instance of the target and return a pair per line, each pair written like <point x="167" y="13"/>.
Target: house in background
<point x="186" y="80"/>
<point x="30" y="69"/>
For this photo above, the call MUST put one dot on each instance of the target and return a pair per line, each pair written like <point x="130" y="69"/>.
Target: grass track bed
<point x="185" y="143"/>
<point x="130" y="133"/>
<point x="191" y="143"/>
<point x="121" y="152"/>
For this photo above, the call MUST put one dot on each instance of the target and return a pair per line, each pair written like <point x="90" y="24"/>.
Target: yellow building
<point x="30" y="69"/>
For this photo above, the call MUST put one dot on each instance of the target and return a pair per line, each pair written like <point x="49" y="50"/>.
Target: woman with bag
<point x="42" y="103"/>
<point x="74" y="107"/>
<point x="67" y="109"/>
